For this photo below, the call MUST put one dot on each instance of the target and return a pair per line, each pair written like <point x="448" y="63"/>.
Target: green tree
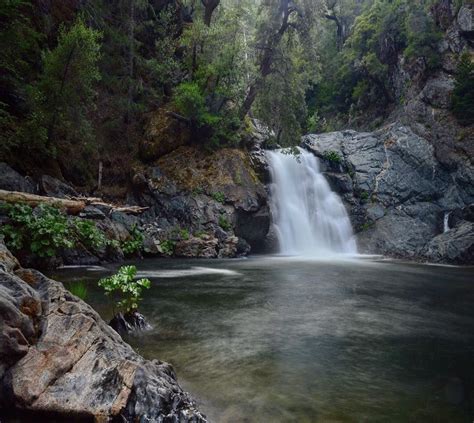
<point x="463" y="93"/>
<point x="65" y="94"/>
<point x="19" y="53"/>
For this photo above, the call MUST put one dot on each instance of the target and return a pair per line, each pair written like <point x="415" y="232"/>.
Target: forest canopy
<point x="78" y="76"/>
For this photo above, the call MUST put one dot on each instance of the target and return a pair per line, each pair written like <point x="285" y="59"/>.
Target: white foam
<point x="308" y="217"/>
<point x="178" y="273"/>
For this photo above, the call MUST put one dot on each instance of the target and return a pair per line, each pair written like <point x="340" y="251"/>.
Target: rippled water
<point x="271" y="339"/>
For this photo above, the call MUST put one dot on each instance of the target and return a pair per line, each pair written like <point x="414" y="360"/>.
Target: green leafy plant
<point x="224" y="223"/>
<point x="42" y="231"/>
<point x="332" y="156"/>
<point x="167" y="247"/>
<point x="79" y="289"/>
<point x="200" y="234"/>
<point x="88" y="234"/>
<point x="134" y="244"/>
<point x="364" y="195"/>
<point x="125" y="287"/>
<point x="180" y="233"/>
<point x="219" y="197"/>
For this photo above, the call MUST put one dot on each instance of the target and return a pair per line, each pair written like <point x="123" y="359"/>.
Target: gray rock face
<point x="398" y="192"/>
<point x="466" y="19"/>
<point x="53" y="187"/>
<point x="455" y="246"/>
<point x="11" y="180"/>
<point x="81" y="365"/>
<point x="205" y="247"/>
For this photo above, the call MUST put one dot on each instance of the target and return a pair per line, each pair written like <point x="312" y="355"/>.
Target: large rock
<point x="81" y="366"/>
<point x="199" y="191"/>
<point x="163" y="134"/>
<point x="11" y="180"/>
<point x="53" y="187"/>
<point x="399" y="191"/>
<point x="204" y="247"/>
<point x="455" y="246"/>
<point x="466" y="19"/>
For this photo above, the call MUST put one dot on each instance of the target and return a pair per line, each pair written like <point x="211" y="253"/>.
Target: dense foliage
<point x="357" y="77"/>
<point x="44" y="230"/>
<point x="79" y="79"/>
<point x="124" y="286"/>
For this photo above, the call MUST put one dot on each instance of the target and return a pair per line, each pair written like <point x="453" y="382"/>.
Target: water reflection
<point x="290" y="340"/>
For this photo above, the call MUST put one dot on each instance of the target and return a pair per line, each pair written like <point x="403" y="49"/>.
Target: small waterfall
<point x="446" y="222"/>
<point x="309" y="219"/>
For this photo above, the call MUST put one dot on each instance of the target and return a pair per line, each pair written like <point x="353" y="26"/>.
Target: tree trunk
<point x="70" y="206"/>
<point x="131" y="59"/>
<point x="267" y="58"/>
<point x="209" y="7"/>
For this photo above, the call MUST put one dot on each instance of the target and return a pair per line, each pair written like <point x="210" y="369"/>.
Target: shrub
<point x="46" y="229"/>
<point x="42" y="231"/>
<point x="167" y="247"/>
<point x="332" y="156"/>
<point x="87" y="233"/>
<point x="219" y="197"/>
<point x="224" y="223"/>
<point x="125" y="287"/>
<point x="135" y="243"/>
<point x="180" y="233"/>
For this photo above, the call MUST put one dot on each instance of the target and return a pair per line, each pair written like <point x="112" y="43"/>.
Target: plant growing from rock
<point x="124" y="286"/>
<point x="332" y="156"/>
<point x="167" y="247"/>
<point x="219" y="197"/>
<point x="45" y="229"/>
<point x="224" y="223"/>
<point x="41" y="231"/>
<point x="88" y="234"/>
<point x="134" y="244"/>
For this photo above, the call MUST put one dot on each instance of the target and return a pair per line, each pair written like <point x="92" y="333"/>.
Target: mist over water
<point x="289" y="339"/>
<point x="309" y="219"/>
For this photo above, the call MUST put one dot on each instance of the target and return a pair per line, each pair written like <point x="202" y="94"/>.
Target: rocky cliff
<point x="58" y="357"/>
<point x="409" y="186"/>
<point x="398" y="193"/>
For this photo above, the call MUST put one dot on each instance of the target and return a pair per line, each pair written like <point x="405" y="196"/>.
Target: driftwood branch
<point x="70" y="206"/>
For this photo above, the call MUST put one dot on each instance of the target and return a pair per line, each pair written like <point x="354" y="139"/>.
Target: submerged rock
<point x="81" y="366"/>
<point x="132" y="322"/>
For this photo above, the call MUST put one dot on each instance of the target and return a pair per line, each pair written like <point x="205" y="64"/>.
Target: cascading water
<point x="309" y="219"/>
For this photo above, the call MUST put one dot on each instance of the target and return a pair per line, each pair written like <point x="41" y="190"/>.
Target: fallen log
<point x="95" y="201"/>
<point x="70" y="206"/>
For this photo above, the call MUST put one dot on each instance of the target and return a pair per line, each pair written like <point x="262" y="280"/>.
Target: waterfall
<point x="446" y="222"/>
<point x="309" y="219"/>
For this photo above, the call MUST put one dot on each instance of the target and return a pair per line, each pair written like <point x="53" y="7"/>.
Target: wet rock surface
<point x="399" y="192"/>
<point x="81" y="365"/>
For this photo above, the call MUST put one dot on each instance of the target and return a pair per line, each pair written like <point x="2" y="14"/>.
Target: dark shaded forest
<point x="81" y="80"/>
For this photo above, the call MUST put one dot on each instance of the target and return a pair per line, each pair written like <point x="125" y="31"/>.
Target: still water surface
<point x="273" y="339"/>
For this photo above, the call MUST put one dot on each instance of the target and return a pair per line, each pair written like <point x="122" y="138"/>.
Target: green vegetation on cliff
<point x="80" y="80"/>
